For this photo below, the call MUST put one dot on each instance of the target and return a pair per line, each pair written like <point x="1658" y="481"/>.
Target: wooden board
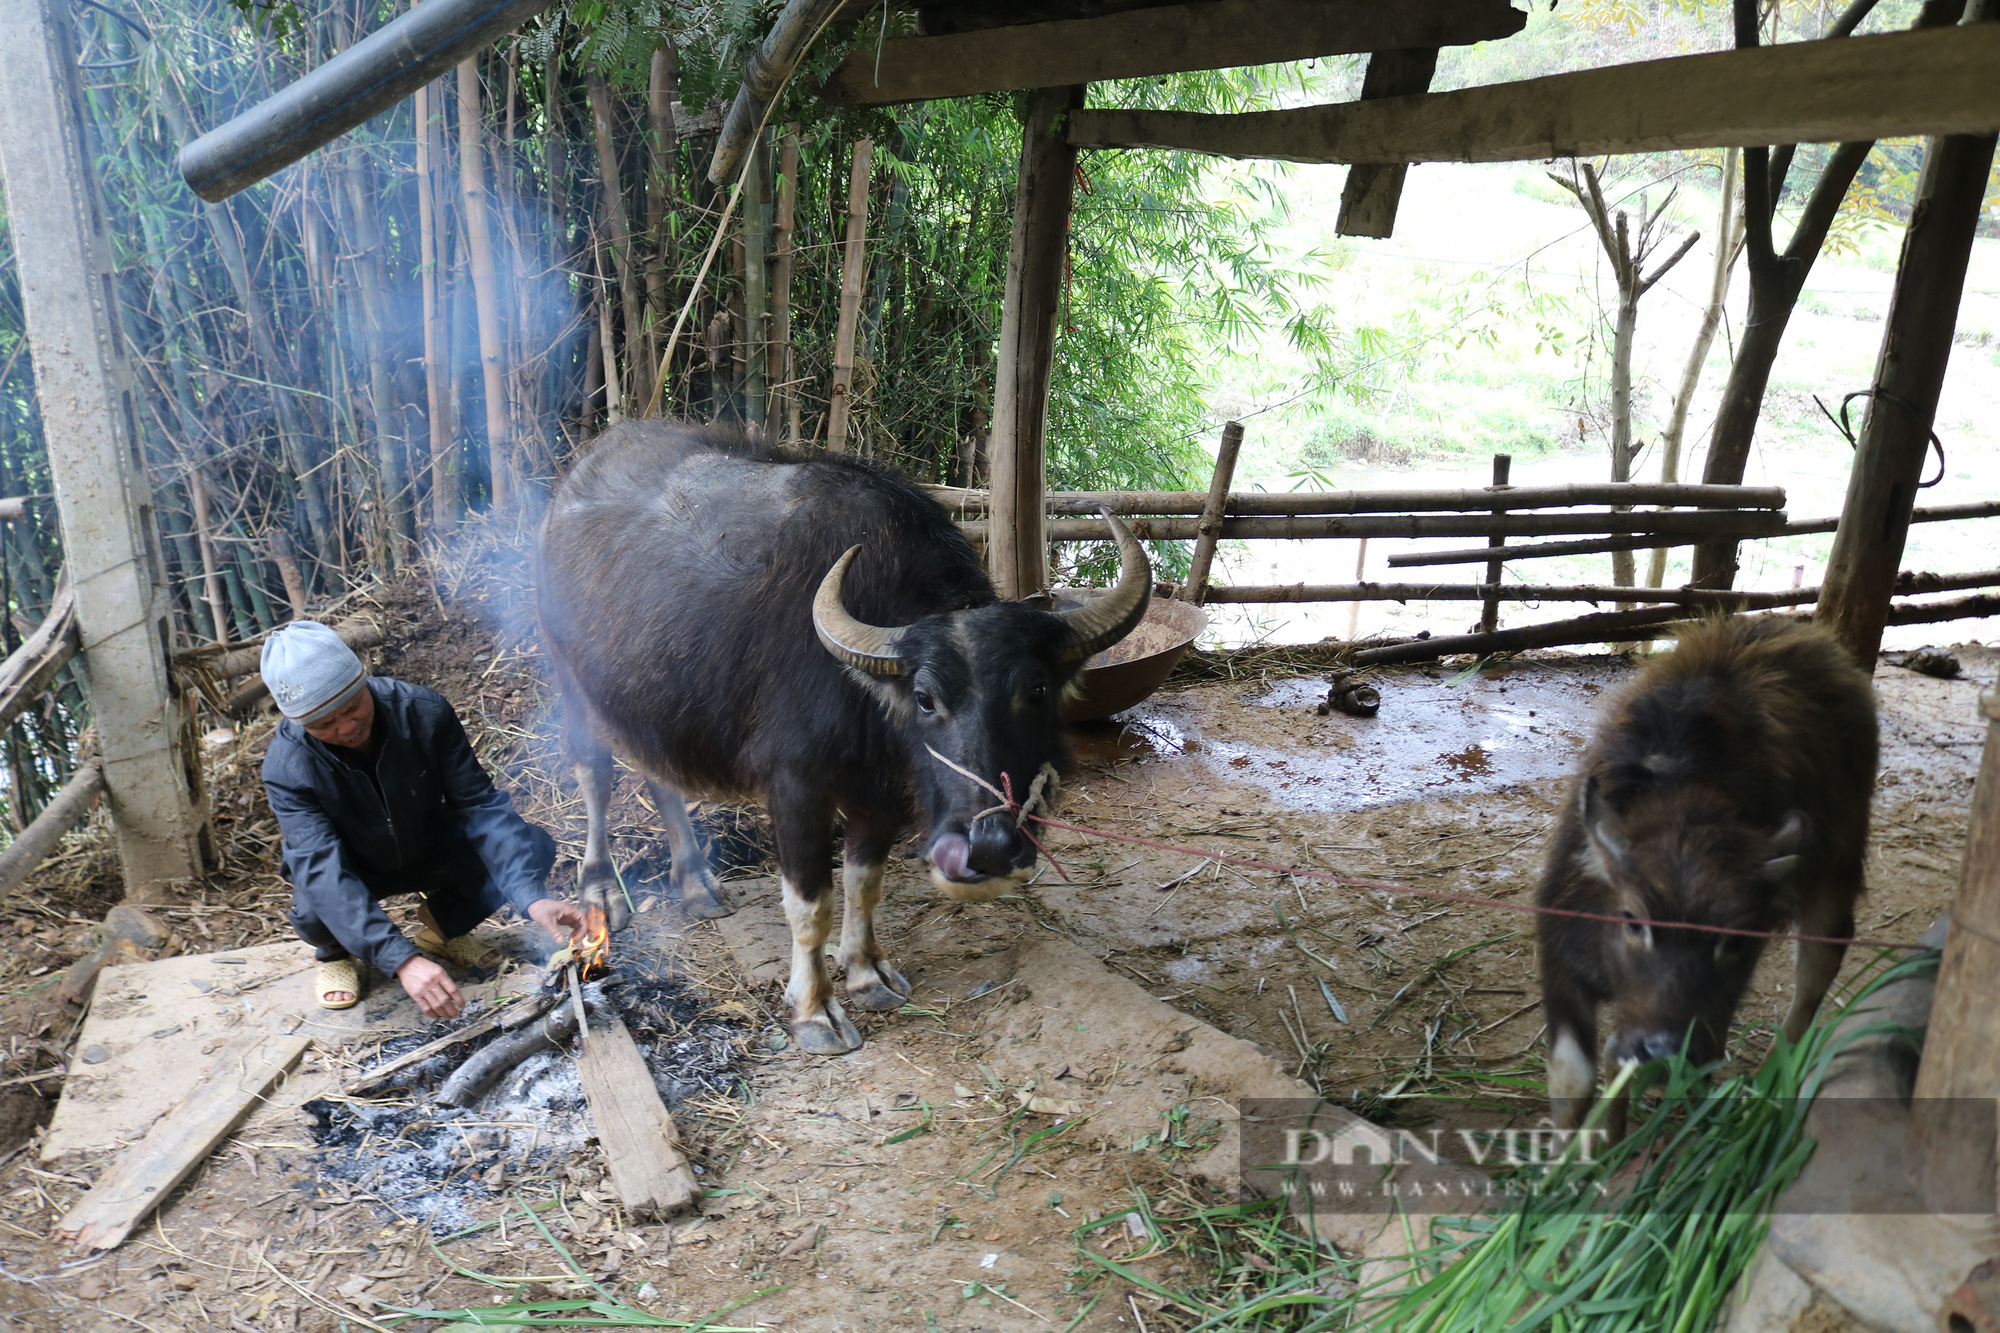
<point x="1939" y="81"/>
<point x="1373" y="189"/>
<point x="633" y="1127"/>
<point x="153" y="1027"/>
<point x="1169" y="39"/>
<point x="242" y="1072"/>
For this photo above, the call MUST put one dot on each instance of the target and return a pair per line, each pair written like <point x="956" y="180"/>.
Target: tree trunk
<point x="1621" y="407"/>
<point x="437" y="365"/>
<point x="756" y="281"/>
<point x="663" y="87"/>
<point x="854" y="257"/>
<point x="1728" y="243"/>
<point x="485" y="282"/>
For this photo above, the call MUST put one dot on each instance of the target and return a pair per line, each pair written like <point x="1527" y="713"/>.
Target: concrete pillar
<point x="111" y="548"/>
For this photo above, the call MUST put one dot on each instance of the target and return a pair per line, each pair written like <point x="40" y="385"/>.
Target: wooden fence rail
<point x="1742" y="523"/>
<point x="1258" y="594"/>
<point x="1253" y="504"/>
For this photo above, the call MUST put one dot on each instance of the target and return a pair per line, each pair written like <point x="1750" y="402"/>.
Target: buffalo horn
<point x="1105" y="620"/>
<point x="864" y="647"/>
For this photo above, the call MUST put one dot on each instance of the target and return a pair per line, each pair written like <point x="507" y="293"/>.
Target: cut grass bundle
<point x="1649" y="1236"/>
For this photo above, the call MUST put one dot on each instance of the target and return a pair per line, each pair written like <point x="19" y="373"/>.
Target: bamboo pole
<point x="372" y="274"/>
<point x="853" y="257"/>
<point x="210" y="565"/>
<point x="662" y="88"/>
<point x="288" y="569"/>
<point x="1489" y="613"/>
<point x="617" y="217"/>
<point x="1210" y="527"/>
<point x="756" y="281"/>
<point x="485" y="282"/>
<point x="34" y="844"/>
<point x="1283" y="593"/>
<point x="1751" y="523"/>
<point x="1246" y="504"/>
<point x="784" y="407"/>
<point x="437" y="369"/>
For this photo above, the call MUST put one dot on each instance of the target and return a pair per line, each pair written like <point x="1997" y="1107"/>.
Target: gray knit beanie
<point x="310" y="671"/>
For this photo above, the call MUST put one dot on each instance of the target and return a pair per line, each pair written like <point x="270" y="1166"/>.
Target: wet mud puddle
<point x="1435" y="736"/>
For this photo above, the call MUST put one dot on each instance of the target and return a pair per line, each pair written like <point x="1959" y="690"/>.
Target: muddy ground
<point x="991" y="1215"/>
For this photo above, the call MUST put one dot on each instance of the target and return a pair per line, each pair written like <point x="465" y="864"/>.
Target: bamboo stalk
<point x="611" y="199"/>
<point x="1489" y="613"/>
<point x="1748" y="523"/>
<point x="853" y="257"/>
<point x="373" y="281"/>
<point x="756" y="245"/>
<point x="1245" y="504"/>
<point x="288" y="569"/>
<point x="485" y="282"/>
<point x="34" y="844"/>
<point x="662" y="87"/>
<point x="784" y="405"/>
<point x="1210" y="526"/>
<point x="211" y="579"/>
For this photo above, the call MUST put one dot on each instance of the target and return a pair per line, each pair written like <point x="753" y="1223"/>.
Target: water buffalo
<point x="1727" y="786"/>
<point x="818" y="635"/>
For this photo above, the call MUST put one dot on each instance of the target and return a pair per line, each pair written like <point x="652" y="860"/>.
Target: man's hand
<point x="431" y="987"/>
<point x="559" y="918"/>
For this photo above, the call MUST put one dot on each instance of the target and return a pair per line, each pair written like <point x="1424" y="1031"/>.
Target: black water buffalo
<point x="817" y="635"/>
<point x="1727" y="786"/>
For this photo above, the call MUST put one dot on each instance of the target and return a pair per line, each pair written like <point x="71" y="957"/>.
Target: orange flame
<point x="592" y="944"/>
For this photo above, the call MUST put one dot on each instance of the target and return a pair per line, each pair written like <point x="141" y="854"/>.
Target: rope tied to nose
<point x="1040" y="792"/>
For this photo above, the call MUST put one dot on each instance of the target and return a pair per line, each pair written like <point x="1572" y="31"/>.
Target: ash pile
<point x="456" y="1130"/>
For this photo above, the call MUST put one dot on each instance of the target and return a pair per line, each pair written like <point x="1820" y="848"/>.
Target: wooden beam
<point x="37" y="842"/>
<point x="1368" y="200"/>
<point x="1169" y="39"/>
<point x="1018" y="554"/>
<point x="1961" y="1065"/>
<point x="179" y="1141"/>
<point x="1196" y="587"/>
<point x="1938" y="81"/>
<point x="633" y="1127"/>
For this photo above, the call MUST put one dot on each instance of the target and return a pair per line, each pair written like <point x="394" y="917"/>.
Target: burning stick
<point x="590" y="951"/>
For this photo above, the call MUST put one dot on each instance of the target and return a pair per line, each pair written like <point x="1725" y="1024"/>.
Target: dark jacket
<point x="435" y="819"/>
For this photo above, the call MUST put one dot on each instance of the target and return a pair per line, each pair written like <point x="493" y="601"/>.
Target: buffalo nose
<point x="993" y="846"/>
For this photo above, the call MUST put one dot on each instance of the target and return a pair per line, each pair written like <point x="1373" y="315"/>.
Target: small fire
<point x="591" y="946"/>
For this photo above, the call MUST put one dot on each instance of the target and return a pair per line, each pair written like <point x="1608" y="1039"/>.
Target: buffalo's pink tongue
<point x="952" y="856"/>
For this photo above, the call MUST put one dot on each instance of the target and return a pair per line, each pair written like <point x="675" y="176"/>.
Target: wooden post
<point x="1018" y="553"/>
<point x="784" y="403"/>
<point x="103" y="495"/>
<point x="850" y="296"/>
<point x="1360" y="572"/>
<point x="1369" y="198"/>
<point x="1947" y="1144"/>
<point x="1489" y="612"/>
<point x="1909" y="372"/>
<point x="1212" y="511"/>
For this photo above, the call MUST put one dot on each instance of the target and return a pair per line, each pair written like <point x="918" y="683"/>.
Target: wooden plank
<point x="633" y="1127"/>
<point x="1169" y="39"/>
<point x="1939" y="81"/>
<point x="1037" y="266"/>
<point x="179" y="1141"/>
<point x="1369" y="197"/>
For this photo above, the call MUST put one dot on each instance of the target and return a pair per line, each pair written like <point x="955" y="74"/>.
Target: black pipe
<point x="368" y="77"/>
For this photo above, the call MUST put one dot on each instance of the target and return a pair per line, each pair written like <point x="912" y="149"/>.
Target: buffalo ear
<point x="1784" y="848"/>
<point x="1611" y="844"/>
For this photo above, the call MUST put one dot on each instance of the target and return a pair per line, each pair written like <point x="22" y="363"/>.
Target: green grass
<point x="1687" y="1196"/>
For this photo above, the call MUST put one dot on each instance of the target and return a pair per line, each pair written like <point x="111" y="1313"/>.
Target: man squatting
<point x="378" y="793"/>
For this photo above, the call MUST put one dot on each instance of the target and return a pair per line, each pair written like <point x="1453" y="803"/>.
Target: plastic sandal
<point x="340" y="977"/>
<point x="465" y="950"/>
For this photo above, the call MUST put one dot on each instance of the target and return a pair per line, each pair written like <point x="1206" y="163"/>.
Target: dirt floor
<point x="1025" y="1124"/>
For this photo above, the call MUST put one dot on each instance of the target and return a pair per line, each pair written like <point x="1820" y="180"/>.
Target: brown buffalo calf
<point x="1727" y="786"/>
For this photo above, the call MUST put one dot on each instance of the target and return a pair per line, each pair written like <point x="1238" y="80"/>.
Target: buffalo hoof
<point x="704" y="901"/>
<point x="885" y="995"/>
<point x="826" y="1033"/>
<point x="604" y="892"/>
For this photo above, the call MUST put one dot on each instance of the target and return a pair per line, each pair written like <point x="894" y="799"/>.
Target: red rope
<point x="1466" y="899"/>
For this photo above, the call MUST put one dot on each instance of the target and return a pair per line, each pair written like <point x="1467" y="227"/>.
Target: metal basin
<point x="1130" y="670"/>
